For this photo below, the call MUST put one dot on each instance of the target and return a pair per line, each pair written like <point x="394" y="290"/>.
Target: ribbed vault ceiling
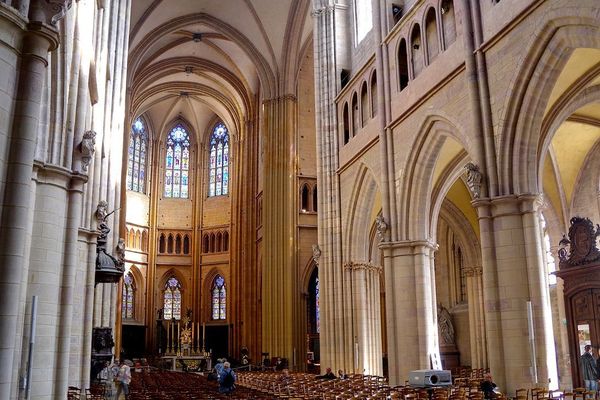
<point x="203" y="59"/>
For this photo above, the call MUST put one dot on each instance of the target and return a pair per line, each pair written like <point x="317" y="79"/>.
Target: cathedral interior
<point x="373" y="186"/>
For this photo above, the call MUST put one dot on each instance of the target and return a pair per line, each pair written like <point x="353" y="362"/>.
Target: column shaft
<point x="16" y="216"/>
<point x="513" y="275"/>
<point x="410" y="311"/>
<point x="279" y="116"/>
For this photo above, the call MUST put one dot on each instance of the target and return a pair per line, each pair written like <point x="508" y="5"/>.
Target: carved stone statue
<point x="108" y="268"/>
<point x="316" y="253"/>
<point x="87" y="147"/>
<point x="445" y="326"/>
<point x="120" y="251"/>
<point x="474" y="178"/>
<point x="101" y="211"/>
<point x="381" y="227"/>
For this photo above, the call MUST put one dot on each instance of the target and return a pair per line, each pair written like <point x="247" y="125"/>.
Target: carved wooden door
<point x="585" y="324"/>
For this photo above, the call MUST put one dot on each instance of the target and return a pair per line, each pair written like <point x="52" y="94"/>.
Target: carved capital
<point x="367" y="266"/>
<point x="87" y="147"/>
<point x="473" y="271"/>
<point x="322" y="10"/>
<point x="48" y="11"/>
<point x="474" y="178"/>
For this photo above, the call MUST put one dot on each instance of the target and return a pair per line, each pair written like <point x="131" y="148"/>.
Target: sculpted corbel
<point x="48" y="11"/>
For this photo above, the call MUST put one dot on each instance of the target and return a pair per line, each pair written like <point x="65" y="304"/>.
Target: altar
<point x="193" y="363"/>
<point x="185" y="345"/>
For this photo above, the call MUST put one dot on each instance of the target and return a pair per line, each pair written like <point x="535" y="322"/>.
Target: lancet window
<point x="177" y="163"/>
<point x="218" y="168"/>
<point x="219" y="299"/>
<point x="128" y="306"/>
<point x="136" y="161"/>
<point x="172" y="299"/>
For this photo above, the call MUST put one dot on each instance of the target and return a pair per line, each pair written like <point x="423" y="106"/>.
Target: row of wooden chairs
<point x="307" y="386"/>
<point x="467" y="372"/>
<point x="541" y="393"/>
<point x="96" y="392"/>
<point x="171" y="385"/>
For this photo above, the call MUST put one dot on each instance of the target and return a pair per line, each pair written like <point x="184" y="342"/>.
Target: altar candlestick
<point x="168" y="337"/>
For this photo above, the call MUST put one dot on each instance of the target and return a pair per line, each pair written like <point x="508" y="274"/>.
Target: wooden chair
<point x="522" y="394"/>
<point x="73" y="393"/>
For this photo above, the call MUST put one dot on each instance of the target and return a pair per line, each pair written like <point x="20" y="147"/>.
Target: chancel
<point x="383" y="188"/>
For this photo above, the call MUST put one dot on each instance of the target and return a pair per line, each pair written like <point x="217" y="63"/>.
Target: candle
<point x="168" y="336"/>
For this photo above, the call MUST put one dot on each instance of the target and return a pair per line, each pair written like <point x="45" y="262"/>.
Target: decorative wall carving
<point x="48" y="11"/>
<point x="473" y="271"/>
<point x="445" y="326"/>
<point x="581" y="242"/>
<point x="120" y="252"/>
<point x="102" y="341"/>
<point x="474" y="178"/>
<point x="87" y="147"/>
<point x="316" y="253"/>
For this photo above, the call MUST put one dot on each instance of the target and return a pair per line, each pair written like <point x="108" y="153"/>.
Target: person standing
<point x="588" y="368"/>
<point x="123" y="380"/>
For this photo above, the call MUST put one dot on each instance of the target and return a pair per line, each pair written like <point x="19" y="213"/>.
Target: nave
<point x="156" y="384"/>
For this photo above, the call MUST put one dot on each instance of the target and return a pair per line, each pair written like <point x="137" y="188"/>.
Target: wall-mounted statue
<point x="445" y="326"/>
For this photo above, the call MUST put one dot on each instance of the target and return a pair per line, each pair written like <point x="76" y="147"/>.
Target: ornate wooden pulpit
<point x="580" y="270"/>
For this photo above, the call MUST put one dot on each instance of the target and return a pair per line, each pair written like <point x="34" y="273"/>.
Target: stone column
<point x="513" y="274"/>
<point x="243" y="243"/>
<point x="67" y="283"/>
<point x="476" y="317"/>
<point x="410" y="311"/>
<point x="366" y="316"/>
<point x="16" y="217"/>
<point x="279" y="118"/>
<point x="330" y="30"/>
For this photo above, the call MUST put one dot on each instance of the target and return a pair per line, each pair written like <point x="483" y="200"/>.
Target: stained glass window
<point x="219" y="298"/>
<point x="177" y="163"/>
<point x="218" y="175"/>
<point x="127" y="307"/>
<point x="172" y="299"/>
<point x="136" y="160"/>
<point x="317" y="310"/>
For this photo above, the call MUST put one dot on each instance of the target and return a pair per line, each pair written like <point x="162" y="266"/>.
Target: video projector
<point x="430" y="378"/>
